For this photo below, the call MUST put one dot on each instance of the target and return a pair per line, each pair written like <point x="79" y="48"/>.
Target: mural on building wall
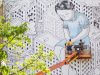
<point x="53" y="23"/>
<point x="76" y="25"/>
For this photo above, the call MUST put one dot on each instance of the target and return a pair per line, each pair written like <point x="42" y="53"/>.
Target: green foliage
<point x="3" y="55"/>
<point x="8" y="31"/>
<point x="4" y="70"/>
<point x="14" y="37"/>
<point x="36" y="62"/>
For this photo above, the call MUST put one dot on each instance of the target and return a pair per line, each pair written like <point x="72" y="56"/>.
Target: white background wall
<point x="51" y="23"/>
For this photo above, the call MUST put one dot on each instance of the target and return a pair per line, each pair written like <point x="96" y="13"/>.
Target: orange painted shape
<point x="40" y="73"/>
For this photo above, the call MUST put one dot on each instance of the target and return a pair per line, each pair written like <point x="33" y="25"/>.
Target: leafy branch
<point x="14" y="36"/>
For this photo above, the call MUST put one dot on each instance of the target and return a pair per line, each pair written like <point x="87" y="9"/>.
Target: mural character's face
<point x="65" y="14"/>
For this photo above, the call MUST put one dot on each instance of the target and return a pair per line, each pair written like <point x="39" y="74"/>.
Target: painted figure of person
<point x="75" y="25"/>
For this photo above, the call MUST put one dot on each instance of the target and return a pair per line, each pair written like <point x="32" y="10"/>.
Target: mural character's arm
<point x="66" y="34"/>
<point x="84" y="25"/>
<point x="66" y="31"/>
<point x="83" y="34"/>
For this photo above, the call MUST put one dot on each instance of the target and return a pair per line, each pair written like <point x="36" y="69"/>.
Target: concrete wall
<point x="49" y="30"/>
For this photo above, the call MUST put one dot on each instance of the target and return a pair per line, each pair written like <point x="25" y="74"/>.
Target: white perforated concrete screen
<point x="53" y="28"/>
<point x="47" y="48"/>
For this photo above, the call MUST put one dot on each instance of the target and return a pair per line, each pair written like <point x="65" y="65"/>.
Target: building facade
<point x="43" y="20"/>
<point x="20" y="11"/>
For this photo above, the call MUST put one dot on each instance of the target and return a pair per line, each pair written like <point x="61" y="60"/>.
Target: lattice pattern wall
<point x="52" y="22"/>
<point x="35" y="12"/>
<point x="95" y="40"/>
<point x="96" y="15"/>
<point x="20" y="54"/>
<point x="95" y="61"/>
<point x="47" y="48"/>
<point x="22" y="13"/>
<point x="83" y="66"/>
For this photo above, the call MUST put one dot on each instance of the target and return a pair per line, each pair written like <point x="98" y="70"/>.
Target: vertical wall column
<point x="1" y="8"/>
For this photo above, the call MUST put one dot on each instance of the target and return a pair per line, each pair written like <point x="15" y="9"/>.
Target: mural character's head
<point x="65" y="10"/>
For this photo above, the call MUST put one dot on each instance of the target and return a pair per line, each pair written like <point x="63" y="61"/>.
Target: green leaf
<point x="3" y="55"/>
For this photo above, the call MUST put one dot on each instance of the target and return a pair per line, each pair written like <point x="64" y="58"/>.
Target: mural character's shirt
<point x="75" y="26"/>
